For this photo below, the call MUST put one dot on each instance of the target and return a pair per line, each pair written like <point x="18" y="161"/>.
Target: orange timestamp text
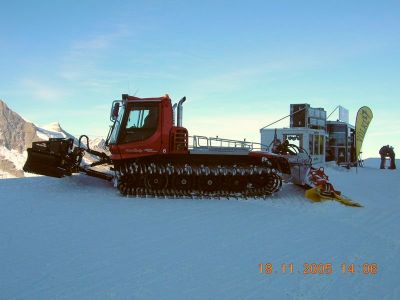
<point x="318" y="268"/>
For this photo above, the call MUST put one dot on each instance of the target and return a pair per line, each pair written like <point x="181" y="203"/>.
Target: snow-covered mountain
<point x="52" y="130"/>
<point x="17" y="134"/>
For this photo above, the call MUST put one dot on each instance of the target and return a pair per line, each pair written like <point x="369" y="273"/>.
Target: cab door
<point x="140" y="133"/>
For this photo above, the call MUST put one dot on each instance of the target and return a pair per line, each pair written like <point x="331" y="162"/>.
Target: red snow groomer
<point x="151" y="154"/>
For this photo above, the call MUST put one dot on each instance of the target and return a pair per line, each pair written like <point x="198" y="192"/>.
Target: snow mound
<point x="5" y="175"/>
<point x="14" y="156"/>
<point x="55" y="127"/>
<point x="52" y="130"/>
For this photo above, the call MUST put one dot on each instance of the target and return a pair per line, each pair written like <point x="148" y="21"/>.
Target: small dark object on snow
<point x="387" y="151"/>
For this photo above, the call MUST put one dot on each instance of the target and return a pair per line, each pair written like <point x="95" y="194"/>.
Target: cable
<point x="283" y="118"/>
<point x="333" y="112"/>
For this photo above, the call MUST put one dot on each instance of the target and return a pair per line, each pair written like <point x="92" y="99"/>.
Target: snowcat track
<point x="140" y="178"/>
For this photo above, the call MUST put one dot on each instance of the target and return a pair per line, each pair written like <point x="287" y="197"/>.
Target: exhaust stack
<point x="180" y="111"/>
<point x="174" y="114"/>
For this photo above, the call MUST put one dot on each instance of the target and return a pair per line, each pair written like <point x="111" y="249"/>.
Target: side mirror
<point x="114" y="110"/>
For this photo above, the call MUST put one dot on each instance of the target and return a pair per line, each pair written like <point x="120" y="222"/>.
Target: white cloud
<point x="43" y="91"/>
<point x="240" y="76"/>
<point x="99" y="41"/>
<point x="82" y="59"/>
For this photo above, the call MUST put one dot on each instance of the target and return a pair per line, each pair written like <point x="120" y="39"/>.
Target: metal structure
<point x="323" y="140"/>
<point x="312" y="140"/>
<point x="340" y="142"/>
<point x="203" y="144"/>
<point x="305" y="116"/>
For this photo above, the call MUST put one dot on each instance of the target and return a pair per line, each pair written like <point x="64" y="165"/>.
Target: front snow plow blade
<point x="316" y="195"/>
<point x="52" y="158"/>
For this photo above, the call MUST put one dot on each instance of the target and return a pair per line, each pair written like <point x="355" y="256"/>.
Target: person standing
<point x="392" y="159"/>
<point x="387" y="151"/>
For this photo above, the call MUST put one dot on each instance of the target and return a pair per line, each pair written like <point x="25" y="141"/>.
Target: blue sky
<point x="239" y="63"/>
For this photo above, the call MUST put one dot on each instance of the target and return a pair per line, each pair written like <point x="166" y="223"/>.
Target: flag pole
<point x="355" y="148"/>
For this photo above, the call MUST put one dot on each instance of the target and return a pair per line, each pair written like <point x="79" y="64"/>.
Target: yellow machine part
<point x="315" y="195"/>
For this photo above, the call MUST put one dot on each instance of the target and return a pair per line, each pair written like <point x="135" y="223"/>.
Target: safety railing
<point x="198" y="141"/>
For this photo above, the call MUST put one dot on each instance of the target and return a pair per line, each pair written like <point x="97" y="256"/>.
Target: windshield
<point x="117" y="125"/>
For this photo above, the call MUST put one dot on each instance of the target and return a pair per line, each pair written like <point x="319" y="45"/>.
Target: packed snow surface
<point x="77" y="238"/>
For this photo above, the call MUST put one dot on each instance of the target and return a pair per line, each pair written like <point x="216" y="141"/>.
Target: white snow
<point x="17" y="158"/>
<point x="45" y="134"/>
<point x="55" y="126"/>
<point x="77" y="238"/>
<point x="96" y="141"/>
<point x="5" y="175"/>
<point x="52" y="130"/>
<point x="375" y="162"/>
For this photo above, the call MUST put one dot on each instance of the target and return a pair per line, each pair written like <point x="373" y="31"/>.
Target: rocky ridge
<point x="17" y="134"/>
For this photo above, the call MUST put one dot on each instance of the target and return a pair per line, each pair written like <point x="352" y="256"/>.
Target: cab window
<point x="141" y="123"/>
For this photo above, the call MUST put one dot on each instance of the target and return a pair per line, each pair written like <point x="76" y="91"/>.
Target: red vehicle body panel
<point x="158" y="143"/>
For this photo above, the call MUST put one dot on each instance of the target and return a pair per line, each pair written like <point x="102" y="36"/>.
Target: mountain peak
<point x="55" y="126"/>
<point x="16" y="133"/>
<point x="3" y="106"/>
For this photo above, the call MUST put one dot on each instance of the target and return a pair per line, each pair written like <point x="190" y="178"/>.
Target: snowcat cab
<point x="145" y="126"/>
